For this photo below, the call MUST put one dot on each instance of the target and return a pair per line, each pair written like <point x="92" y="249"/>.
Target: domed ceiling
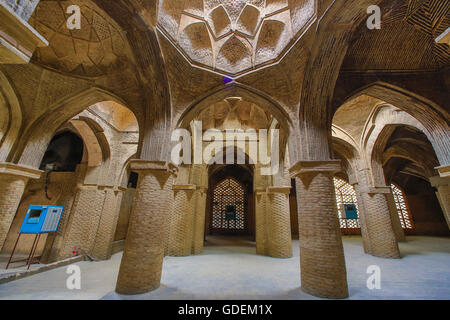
<point x="233" y="36"/>
<point x="94" y="50"/>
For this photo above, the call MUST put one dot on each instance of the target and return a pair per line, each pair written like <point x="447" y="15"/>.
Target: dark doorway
<point x="65" y="151"/>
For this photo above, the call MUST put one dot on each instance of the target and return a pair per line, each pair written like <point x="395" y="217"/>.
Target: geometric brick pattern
<point x="228" y="192"/>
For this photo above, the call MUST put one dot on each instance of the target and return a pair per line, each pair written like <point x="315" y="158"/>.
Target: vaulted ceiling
<point x="233" y="36"/>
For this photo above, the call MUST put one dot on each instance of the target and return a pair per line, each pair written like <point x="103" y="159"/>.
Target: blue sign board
<point x="350" y="211"/>
<point x="41" y="219"/>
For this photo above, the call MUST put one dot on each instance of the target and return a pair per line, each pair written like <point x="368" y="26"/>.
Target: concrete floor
<point x="236" y="272"/>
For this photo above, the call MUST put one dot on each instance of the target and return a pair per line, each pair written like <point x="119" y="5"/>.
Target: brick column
<point x="104" y="237"/>
<point x="83" y="221"/>
<point x="13" y="180"/>
<point x="362" y="218"/>
<point x="383" y="242"/>
<point x="442" y="185"/>
<point x="181" y="221"/>
<point x="199" y="219"/>
<point x="322" y="262"/>
<point x="395" y="220"/>
<point x="278" y="222"/>
<point x="142" y="261"/>
<point x="260" y="222"/>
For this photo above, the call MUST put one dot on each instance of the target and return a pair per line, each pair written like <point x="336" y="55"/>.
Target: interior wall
<point x="35" y="194"/>
<point x="424" y="207"/>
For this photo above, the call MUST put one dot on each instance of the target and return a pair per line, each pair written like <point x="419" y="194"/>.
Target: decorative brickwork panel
<point x="229" y="207"/>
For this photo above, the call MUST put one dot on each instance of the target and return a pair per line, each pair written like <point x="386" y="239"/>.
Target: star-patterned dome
<point x="233" y="36"/>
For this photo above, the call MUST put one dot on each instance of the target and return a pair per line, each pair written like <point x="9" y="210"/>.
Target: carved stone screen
<point x="228" y="207"/>
<point x="345" y="195"/>
<point x="402" y="208"/>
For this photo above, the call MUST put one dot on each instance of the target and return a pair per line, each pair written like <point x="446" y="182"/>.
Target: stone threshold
<point x="8" y="277"/>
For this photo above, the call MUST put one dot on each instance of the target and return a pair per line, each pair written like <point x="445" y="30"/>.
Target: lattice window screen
<point x="402" y="208"/>
<point x="228" y="192"/>
<point x="345" y="194"/>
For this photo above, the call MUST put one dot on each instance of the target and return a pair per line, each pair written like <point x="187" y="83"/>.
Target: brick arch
<point x="36" y="137"/>
<point x="286" y="125"/>
<point x="430" y="118"/>
<point x="347" y="152"/>
<point x="234" y="90"/>
<point x="9" y="136"/>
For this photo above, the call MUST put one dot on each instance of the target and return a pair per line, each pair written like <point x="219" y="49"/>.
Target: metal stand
<point x="30" y="258"/>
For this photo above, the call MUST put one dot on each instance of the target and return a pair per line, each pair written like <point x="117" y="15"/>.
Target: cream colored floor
<point x="236" y="272"/>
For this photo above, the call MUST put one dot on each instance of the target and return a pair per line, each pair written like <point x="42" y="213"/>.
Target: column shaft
<point x="142" y="261"/>
<point x="279" y="223"/>
<point x="395" y="220"/>
<point x="442" y="185"/>
<point x="322" y="262"/>
<point x="108" y="222"/>
<point x="181" y="221"/>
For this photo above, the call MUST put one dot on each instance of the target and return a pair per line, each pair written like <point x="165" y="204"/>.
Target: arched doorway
<point x="230" y="209"/>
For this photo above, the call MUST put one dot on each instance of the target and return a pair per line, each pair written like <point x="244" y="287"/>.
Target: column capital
<point x="444" y="171"/>
<point x="146" y="165"/>
<point x="315" y="166"/>
<point x="279" y="189"/>
<point x="22" y="171"/>
<point x="439" y="181"/>
<point x="191" y="187"/>
<point x="376" y="190"/>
